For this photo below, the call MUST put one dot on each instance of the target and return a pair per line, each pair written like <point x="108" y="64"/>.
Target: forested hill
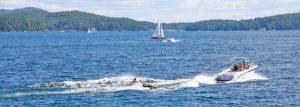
<point x="34" y="19"/>
<point x="278" y="22"/>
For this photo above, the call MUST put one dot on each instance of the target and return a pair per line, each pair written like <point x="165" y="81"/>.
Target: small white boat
<point x="158" y="33"/>
<point x="92" y="30"/>
<point x="169" y="40"/>
<point x="240" y="66"/>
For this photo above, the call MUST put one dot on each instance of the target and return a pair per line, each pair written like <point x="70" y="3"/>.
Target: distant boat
<point x="170" y="40"/>
<point x="92" y="30"/>
<point x="158" y="33"/>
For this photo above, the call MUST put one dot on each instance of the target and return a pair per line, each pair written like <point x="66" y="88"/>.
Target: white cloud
<point x="191" y="3"/>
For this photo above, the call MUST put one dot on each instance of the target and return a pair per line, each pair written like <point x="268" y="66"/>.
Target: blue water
<point x="93" y="68"/>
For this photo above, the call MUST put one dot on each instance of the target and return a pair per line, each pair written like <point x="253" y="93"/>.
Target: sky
<point x="168" y="11"/>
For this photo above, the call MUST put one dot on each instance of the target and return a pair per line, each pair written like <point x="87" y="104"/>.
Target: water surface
<point x="102" y="62"/>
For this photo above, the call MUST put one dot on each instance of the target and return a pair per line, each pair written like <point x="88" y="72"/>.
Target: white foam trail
<point x="119" y="83"/>
<point x="202" y="79"/>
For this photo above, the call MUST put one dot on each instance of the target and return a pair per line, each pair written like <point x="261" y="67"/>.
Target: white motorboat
<point x="169" y="40"/>
<point x="240" y="67"/>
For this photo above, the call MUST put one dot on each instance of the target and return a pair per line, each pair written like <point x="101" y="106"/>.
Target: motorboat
<point x="240" y="66"/>
<point x="169" y="40"/>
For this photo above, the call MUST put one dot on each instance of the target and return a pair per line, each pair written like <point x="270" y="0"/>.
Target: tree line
<point x="34" y="19"/>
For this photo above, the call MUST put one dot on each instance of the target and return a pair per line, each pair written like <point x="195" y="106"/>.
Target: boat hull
<point x="156" y="38"/>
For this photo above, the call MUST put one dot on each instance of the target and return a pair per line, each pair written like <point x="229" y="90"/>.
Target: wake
<point x="120" y="83"/>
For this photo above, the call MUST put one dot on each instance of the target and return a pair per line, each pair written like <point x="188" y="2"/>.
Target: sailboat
<point x="92" y="30"/>
<point x="158" y="33"/>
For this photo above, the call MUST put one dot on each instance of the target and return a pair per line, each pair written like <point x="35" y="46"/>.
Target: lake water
<point x="94" y="69"/>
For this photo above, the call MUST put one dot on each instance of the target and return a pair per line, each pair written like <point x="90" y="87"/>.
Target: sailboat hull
<point x="156" y="37"/>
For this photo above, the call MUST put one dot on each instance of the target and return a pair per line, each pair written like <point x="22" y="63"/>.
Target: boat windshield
<point x="239" y="60"/>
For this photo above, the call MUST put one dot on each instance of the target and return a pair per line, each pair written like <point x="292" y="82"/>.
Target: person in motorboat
<point x="241" y="68"/>
<point x="235" y="68"/>
<point x="245" y="65"/>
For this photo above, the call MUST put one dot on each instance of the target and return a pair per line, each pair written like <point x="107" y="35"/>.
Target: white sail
<point x="161" y="32"/>
<point x="156" y="33"/>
